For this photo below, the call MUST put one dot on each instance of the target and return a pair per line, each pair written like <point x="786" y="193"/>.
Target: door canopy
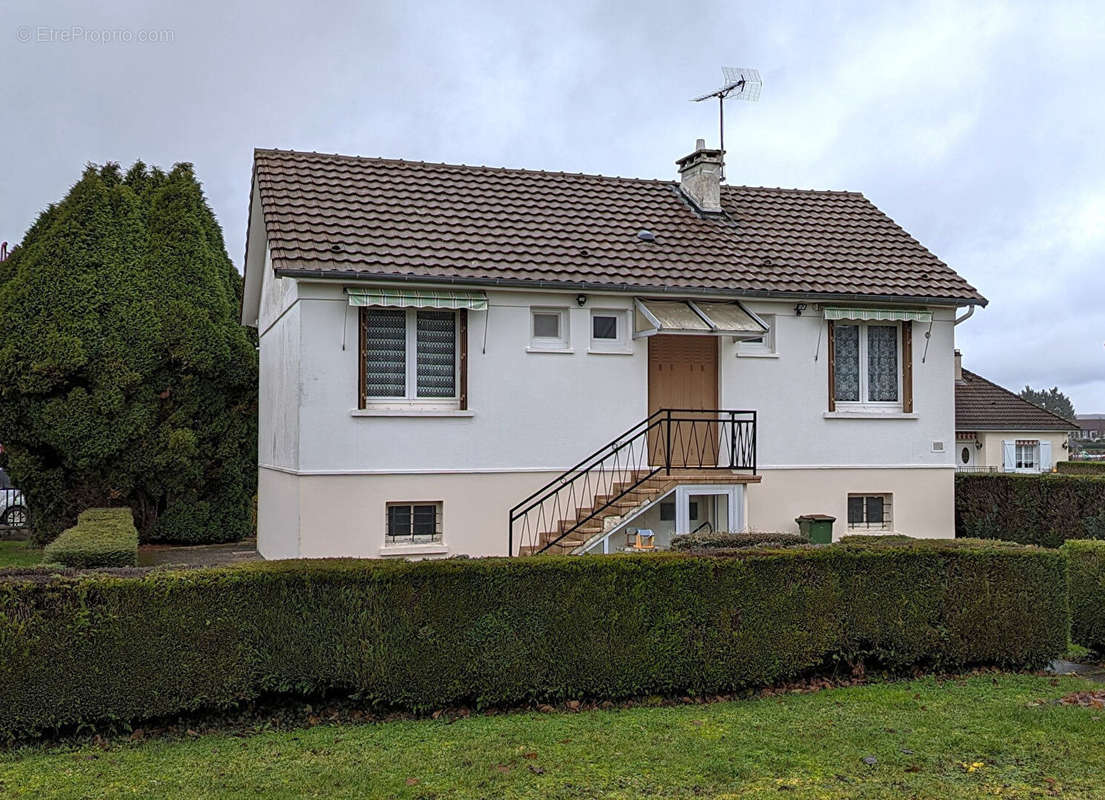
<point x="696" y="317"/>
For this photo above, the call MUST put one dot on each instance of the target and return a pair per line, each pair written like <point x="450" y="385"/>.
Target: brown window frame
<point x="462" y="378"/>
<point x="906" y="366"/>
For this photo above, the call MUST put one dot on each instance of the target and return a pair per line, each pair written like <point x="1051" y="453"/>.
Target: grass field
<point x="984" y="736"/>
<point x="18" y="554"/>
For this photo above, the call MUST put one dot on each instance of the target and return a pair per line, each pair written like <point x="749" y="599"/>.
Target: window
<point x="549" y="329"/>
<point x="667" y="511"/>
<point x="1028" y="454"/>
<point x="869" y="512"/>
<point x="866" y="363"/>
<point x="609" y="331"/>
<point x="763" y="345"/>
<point x="410" y="355"/>
<point x="413" y="523"/>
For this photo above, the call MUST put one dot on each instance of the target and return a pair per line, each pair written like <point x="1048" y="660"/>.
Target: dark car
<point x="13" y="509"/>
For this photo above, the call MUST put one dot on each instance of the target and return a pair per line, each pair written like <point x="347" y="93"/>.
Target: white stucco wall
<point x="530" y="411"/>
<point x="923" y="498"/>
<point x="278" y="520"/>
<point x="548" y="410"/>
<point x="278" y="404"/>
<point x="532" y="415"/>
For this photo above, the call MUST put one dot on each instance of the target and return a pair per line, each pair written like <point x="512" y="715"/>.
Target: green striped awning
<point x="879" y="314"/>
<point x="417" y="298"/>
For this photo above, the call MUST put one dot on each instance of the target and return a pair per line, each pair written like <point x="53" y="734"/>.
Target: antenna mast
<point x="741" y="83"/>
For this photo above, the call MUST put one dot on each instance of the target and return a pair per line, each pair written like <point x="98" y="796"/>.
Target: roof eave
<point x="1012" y="427"/>
<point x="524" y="283"/>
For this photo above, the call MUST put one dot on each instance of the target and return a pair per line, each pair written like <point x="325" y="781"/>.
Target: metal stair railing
<point x="668" y="439"/>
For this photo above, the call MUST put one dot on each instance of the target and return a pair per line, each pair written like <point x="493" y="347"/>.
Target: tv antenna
<point x="741" y="83"/>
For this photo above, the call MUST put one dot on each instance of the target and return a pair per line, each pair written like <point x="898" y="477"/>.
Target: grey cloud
<point x="976" y="126"/>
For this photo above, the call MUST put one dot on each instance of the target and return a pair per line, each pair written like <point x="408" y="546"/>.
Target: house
<point x="997" y="431"/>
<point x="1091" y="427"/>
<point x="471" y="360"/>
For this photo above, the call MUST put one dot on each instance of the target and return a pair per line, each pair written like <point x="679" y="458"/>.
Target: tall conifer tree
<point x="125" y="378"/>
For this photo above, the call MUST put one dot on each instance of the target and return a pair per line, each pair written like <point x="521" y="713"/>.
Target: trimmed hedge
<point x="1081" y="467"/>
<point x="1045" y="510"/>
<point x="721" y="540"/>
<point x="425" y="635"/>
<point x="102" y="537"/>
<point x="875" y="538"/>
<point x="1086" y="577"/>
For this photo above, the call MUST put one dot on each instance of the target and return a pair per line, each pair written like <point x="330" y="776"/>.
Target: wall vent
<point x="938" y="447"/>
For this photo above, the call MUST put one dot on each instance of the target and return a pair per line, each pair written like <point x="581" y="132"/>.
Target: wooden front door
<point x="682" y="374"/>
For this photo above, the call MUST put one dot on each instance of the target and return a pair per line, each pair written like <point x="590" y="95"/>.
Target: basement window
<point x="870" y="512"/>
<point x="414" y="522"/>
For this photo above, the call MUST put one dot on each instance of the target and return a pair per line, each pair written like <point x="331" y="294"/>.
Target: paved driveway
<point x="204" y="555"/>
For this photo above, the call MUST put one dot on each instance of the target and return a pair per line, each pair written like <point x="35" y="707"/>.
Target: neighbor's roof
<point x="344" y="216"/>
<point x="982" y="405"/>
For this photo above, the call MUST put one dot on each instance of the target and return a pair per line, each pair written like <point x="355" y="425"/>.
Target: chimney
<point x="958" y="366"/>
<point x="700" y="177"/>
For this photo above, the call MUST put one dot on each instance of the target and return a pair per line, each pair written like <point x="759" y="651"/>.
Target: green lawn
<point x="18" y="554"/>
<point x="987" y="736"/>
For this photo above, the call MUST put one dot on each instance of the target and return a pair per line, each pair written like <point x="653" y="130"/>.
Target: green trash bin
<point x="818" y="528"/>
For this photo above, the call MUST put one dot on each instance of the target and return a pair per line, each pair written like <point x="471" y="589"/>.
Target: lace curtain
<point x="846" y="345"/>
<point x="385" y="353"/>
<point x="882" y="363"/>
<point x="437" y="354"/>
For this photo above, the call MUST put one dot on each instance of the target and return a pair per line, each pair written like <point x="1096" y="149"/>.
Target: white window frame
<point x="1029" y="444"/>
<point x="862" y="404"/>
<point x="619" y="344"/>
<point x="887" y="523"/>
<point x="411" y="398"/>
<point x="549" y="344"/>
<point x="764" y="346"/>
<point x="413" y="539"/>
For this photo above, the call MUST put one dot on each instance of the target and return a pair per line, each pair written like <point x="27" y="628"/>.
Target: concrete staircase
<point x="599" y="517"/>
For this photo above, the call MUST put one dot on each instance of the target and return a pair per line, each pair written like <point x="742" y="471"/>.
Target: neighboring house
<point x="997" y="431"/>
<point x="460" y="359"/>
<point x="1091" y="427"/>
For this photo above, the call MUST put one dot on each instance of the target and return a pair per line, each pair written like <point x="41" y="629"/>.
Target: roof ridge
<point x="1017" y="397"/>
<point x="562" y="173"/>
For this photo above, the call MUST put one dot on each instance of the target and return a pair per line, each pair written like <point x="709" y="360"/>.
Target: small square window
<point x="604" y="326"/>
<point x="549" y="329"/>
<point x="609" y="331"/>
<point x="869" y="512"/>
<point x="413" y="523"/>
<point x="763" y="345"/>
<point x="546" y="326"/>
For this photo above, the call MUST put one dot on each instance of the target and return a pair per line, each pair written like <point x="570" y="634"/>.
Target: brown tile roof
<point x="366" y="217"/>
<point x="982" y="405"/>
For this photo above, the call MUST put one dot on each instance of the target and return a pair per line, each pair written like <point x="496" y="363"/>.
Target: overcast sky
<point x="979" y="128"/>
